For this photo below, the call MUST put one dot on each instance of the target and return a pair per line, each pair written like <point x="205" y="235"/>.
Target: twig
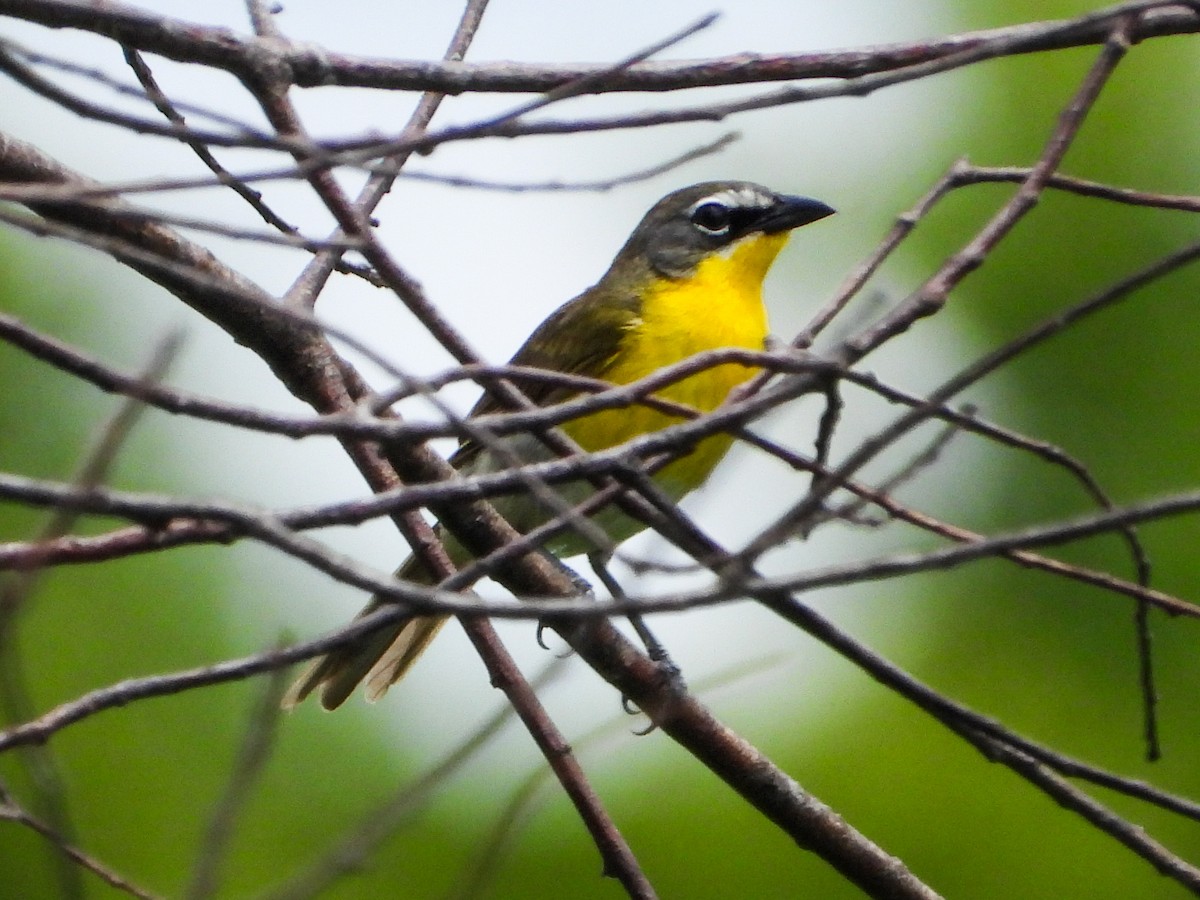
<point x="91" y="198"/>
<point x="518" y="809"/>
<point x="357" y="845"/>
<point x="969" y="174"/>
<point x="167" y="108"/>
<point x="10" y="812"/>
<point x="932" y="295"/>
<point x="253" y="755"/>
<point x="244" y="136"/>
<point x="1000" y="744"/>
<point x="618" y="858"/>
<point x="602" y="184"/>
<point x="923" y="460"/>
<point x="1069" y="797"/>
<point x="854" y="281"/>
<point x="15" y="592"/>
<point x="307" y="287"/>
<point x="314" y="66"/>
<point x="347" y="154"/>
<point x="122" y="693"/>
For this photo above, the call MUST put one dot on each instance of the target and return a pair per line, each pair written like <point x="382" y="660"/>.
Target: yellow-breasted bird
<point x="689" y="279"/>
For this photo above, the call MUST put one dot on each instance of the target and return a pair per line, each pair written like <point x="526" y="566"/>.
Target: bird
<point x="689" y="279"/>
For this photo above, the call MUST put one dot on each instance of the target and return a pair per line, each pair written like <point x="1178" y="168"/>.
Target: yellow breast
<point x="720" y="305"/>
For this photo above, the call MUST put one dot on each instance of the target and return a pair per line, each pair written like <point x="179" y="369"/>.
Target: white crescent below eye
<point x="717" y="223"/>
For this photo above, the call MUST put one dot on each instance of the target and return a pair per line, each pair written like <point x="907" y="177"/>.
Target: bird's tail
<point x="379" y="660"/>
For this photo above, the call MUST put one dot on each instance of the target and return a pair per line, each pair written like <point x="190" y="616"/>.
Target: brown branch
<point x="88" y="198"/>
<point x="617" y="856"/>
<point x="357" y="845"/>
<point x="252" y="63"/>
<point x="253" y="754"/>
<point x="968" y="174"/>
<point x="279" y="531"/>
<point x="343" y="154"/>
<point x="933" y="294"/>
<point x="599" y="184"/>
<point x="244" y="135"/>
<point x="619" y="860"/>
<point x="10" y="812"/>
<point x="1069" y="797"/>
<point x="118" y="543"/>
<point x="517" y="810"/>
<point x="1000" y="744"/>
<point x="313" y="372"/>
<point x="311" y="66"/>
<point x="40" y="763"/>
<point x="164" y="105"/>
<point x="808" y="821"/>
<point x="84" y="706"/>
<point x="307" y="287"/>
<point x="897" y="565"/>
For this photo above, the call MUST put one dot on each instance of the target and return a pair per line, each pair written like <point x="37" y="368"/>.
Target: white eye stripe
<point x="736" y="198"/>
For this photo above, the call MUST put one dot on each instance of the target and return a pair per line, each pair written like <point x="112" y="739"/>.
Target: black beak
<point x="792" y="212"/>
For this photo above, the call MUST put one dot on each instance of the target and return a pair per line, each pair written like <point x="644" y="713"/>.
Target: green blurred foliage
<point x="1052" y="659"/>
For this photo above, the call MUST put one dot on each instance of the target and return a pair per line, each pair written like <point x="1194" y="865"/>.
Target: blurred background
<point x="1050" y="658"/>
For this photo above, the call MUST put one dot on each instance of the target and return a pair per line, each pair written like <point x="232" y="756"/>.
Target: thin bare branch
<point x="10" y="812"/>
<point x="519" y="807"/>
<point x="131" y="690"/>
<point x="968" y="174"/>
<point x="51" y="800"/>
<point x="1168" y="864"/>
<point x="603" y="184"/>
<point x="10" y="63"/>
<point x="298" y="349"/>
<point x="933" y="294"/>
<point x="253" y="754"/>
<point x="1000" y="744"/>
<point x="164" y="105"/>
<point x="311" y="66"/>
<point x="615" y="853"/>
<point x="400" y="809"/>
<point x="307" y="287"/>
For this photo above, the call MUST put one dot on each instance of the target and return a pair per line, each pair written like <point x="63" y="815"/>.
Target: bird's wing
<point x="582" y="337"/>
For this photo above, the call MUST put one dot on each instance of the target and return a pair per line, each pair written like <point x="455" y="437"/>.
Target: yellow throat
<point x="718" y="305"/>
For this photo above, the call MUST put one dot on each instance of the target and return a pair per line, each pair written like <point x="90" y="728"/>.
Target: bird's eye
<point x="713" y="218"/>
